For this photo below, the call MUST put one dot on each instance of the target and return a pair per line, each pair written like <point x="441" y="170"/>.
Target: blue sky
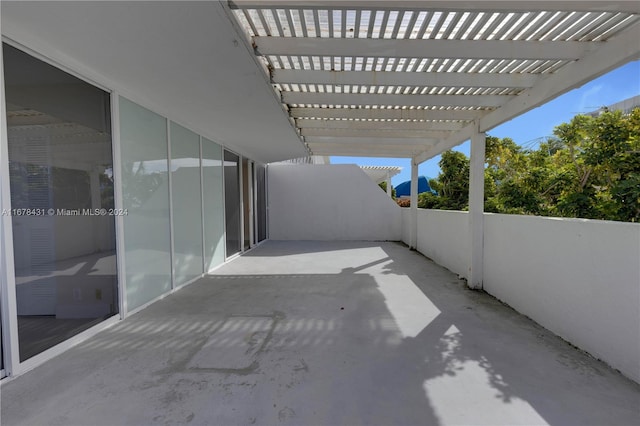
<point x="617" y="85"/>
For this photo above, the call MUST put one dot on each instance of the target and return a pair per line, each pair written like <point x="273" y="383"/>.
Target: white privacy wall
<point x="406" y="225"/>
<point x="578" y="278"/>
<point x="329" y="202"/>
<point x="450" y="229"/>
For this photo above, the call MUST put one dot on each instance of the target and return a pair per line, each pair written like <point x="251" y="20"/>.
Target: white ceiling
<point x="182" y="59"/>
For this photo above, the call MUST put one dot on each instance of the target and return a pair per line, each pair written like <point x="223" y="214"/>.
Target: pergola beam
<point x="363" y="151"/>
<point x="628" y="6"/>
<point x="388" y="78"/>
<point x="413" y="48"/>
<point x="420" y="144"/>
<point x="307" y="123"/>
<point x="386" y="114"/>
<point x="315" y="98"/>
<point x="375" y="133"/>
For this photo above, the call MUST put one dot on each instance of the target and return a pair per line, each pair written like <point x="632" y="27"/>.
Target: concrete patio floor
<point x="324" y="333"/>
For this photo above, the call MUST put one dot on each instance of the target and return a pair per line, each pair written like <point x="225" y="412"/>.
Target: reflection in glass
<point x="1" y="348"/>
<point x="145" y="193"/>
<point x="186" y="201"/>
<point x="247" y="200"/>
<point x="213" y="204"/>
<point x="61" y="176"/>
<point x="232" y="202"/>
<point x="261" y="208"/>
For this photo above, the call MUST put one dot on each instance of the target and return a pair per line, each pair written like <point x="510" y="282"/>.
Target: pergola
<point x="380" y="174"/>
<point x="415" y="78"/>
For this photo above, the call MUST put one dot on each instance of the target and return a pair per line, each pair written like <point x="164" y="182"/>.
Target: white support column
<point x="414" y="205"/>
<point x="476" y="210"/>
<point x="389" y="193"/>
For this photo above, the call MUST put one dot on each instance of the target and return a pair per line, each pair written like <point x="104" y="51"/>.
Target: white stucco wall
<point x="406" y="225"/>
<point x="577" y="278"/>
<point x="329" y="202"/>
<point x="443" y="236"/>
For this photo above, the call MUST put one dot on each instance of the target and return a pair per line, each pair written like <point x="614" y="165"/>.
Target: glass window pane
<point x="262" y="202"/>
<point x="145" y="186"/>
<point x="247" y="200"/>
<point x="187" y="205"/>
<point x="232" y="201"/>
<point x="213" y="204"/>
<point x="61" y="179"/>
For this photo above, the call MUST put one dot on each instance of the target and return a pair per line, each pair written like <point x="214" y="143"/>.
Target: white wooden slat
<point x="263" y="22"/>
<point x="249" y="20"/>
<point x="442" y="17"/>
<point x="451" y="26"/>
<point x="535" y="25"/>
<point x="561" y="27"/>
<point x="478" y="24"/>
<point x="411" y="24"/>
<point x="467" y="21"/>
<point x="398" y="23"/>
<point x="625" y="23"/>
<point x="495" y="20"/>
<point x="423" y="27"/>
<point x="596" y="20"/>
<point x="504" y="26"/>
<point x="356" y="29"/>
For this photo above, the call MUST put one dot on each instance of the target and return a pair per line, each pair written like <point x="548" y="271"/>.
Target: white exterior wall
<point x="329" y="202"/>
<point x="578" y="278"/>
<point x="406" y="225"/>
<point x="443" y="236"/>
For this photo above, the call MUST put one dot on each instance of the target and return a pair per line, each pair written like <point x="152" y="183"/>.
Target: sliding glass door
<point x="62" y="205"/>
<point x="232" y="202"/>
<point x="213" y="206"/>
<point x="186" y="202"/>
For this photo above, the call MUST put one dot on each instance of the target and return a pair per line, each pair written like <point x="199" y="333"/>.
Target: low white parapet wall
<point x="451" y="230"/>
<point x="578" y="278"/>
<point x="406" y="226"/>
<point x="329" y="202"/>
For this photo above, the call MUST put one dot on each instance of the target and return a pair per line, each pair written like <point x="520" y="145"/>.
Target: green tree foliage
<point x="452" y="184"/>
<point x="383" y="186"/>
<point x="590" y="169"/>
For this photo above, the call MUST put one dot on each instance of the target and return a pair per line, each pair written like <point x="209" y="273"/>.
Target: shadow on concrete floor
<point x="321" y="333"/>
